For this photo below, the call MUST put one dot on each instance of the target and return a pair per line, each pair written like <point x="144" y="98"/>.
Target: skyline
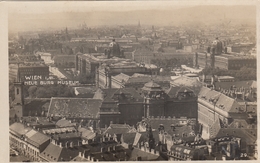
<point x="122" y="16"/>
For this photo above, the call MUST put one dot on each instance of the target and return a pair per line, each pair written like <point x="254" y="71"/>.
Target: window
<point x="17" y="91"/>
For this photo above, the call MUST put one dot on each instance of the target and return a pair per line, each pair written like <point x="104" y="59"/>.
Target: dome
<point x="217" y="45"/>
<point x="115" y="48"/>
<point x="113" y="43"/>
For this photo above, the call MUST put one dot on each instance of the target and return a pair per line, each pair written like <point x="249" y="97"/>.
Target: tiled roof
<point x="66" y="136"/>
<point x="145" y="156"/>
<point x="59" y="130"/>
<point x="119" y="129"/>
<point x="238" y="84"/>
<point x="64" y="123"/>
<point x="152" y="84"/>
<point x="247" y="135"/>
<point x="183" y="149"/>
<point x="79" y="107"/>
<point x="54" y="153"/>
<point x="36" y="138"/>
<point x="139" y="79"/>
<point x="38" y="121"/>
<point x="174" y="90"/>
<point x="133" y="137"/>
<point x="80" y="159"/>
<point x="122" y="77"/>
<point x="19" y="128"/>
<point x="238" y="123"/>
<point x="87" y="134"/>
<point x="220" y="100"/>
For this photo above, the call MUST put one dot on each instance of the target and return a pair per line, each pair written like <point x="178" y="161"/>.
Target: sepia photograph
<point x="132" y="81"/>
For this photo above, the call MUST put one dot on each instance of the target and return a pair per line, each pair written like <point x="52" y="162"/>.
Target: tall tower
<point x="153" y="100"/>
<point x="18" y="91"/>
<point x="18" y="103"/>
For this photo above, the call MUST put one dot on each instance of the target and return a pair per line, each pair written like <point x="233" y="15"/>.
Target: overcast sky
<point x="80" y="6"/>
<point x="56" y="14"/>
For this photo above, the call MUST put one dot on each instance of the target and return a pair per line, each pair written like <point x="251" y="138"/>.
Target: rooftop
<point x="74" y="107"/>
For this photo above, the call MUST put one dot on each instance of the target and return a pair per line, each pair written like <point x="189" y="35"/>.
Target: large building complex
<point x="218" y="57"/>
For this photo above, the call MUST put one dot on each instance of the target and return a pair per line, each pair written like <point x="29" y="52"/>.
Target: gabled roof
<point x="87" y="134"/>
<point x="247" y="135"/>
<point x="36" y="138"/>
<point x="122" y="77"/>
<point x="238" y="123"/>
<point x="220" y="100"/>
<point x="79" y="107"/>
<point x="54" y="153"/>
<point x="133" y="138"/>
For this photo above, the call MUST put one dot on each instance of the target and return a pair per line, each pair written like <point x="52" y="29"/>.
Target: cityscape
<point x="133" y="84"/>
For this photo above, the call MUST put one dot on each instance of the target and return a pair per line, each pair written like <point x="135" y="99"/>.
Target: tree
<point x="41" y="92"/>
<point x="32" y="91"/>
<point x="244" y="73"/>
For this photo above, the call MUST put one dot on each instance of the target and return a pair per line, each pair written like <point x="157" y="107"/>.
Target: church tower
<point x="18" y="103"/>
